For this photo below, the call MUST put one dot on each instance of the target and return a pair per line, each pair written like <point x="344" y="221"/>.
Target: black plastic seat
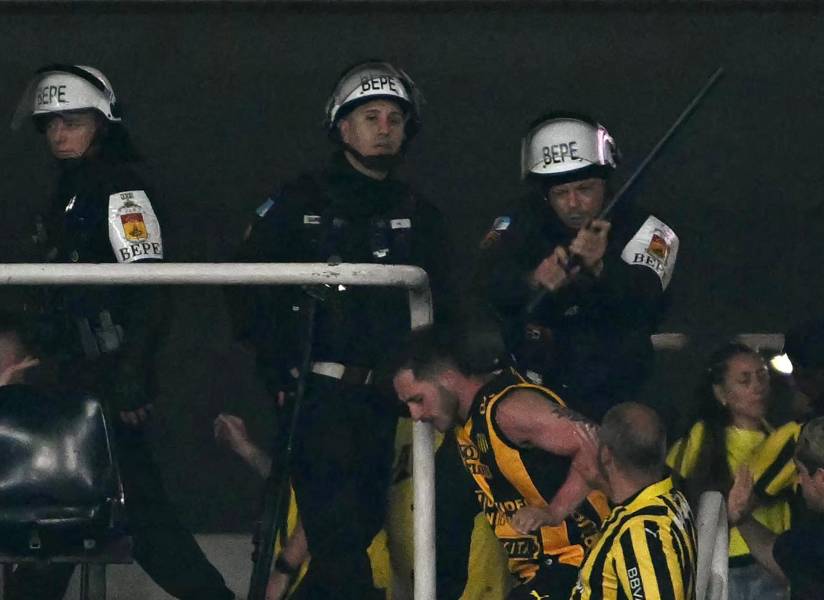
<point x="61" y="498"/>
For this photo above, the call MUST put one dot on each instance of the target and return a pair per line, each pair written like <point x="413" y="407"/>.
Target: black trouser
<point x="552" y="582"/>
<point x="341" y="466"/>
<point x="165" y="549"/>
<point x="455" y="508"/>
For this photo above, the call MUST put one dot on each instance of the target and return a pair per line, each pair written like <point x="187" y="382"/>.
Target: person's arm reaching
<point x="529" y="420"/>
<point x="231" y="431"/>
<point x="761" y="542"/>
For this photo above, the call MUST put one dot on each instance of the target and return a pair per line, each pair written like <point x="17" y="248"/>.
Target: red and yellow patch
<point x="134" y="227"/>
<point x="658" y="247"/>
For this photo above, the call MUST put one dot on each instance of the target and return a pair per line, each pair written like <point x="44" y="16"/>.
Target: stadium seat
<point x="61" y="498"/>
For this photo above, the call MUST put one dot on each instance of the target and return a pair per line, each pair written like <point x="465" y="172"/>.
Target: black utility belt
<point x="350" y="374"/>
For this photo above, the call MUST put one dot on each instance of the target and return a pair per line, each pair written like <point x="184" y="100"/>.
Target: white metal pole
<point x="713" y="547"/>
<point x="420" y="307"/>
<point x="215" y="274"/>
<point x="423" y="472"/>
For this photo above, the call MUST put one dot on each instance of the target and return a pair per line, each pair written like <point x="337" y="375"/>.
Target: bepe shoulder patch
<point x="655" y="246"/>
<point x="134" y="230"/>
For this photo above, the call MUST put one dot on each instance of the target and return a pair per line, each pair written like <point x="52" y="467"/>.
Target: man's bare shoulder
<point x="523" y="411"/>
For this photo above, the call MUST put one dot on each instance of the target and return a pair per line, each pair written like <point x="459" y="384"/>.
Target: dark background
<point x="225" y="99"/>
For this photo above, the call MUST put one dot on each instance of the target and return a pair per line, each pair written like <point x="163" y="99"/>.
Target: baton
<point x="276" y="495"/>
<point x="685" y="114"/>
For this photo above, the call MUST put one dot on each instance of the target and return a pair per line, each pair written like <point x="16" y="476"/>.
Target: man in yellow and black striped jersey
<point x="647" y="545"/>
<point x="531" y="459"/>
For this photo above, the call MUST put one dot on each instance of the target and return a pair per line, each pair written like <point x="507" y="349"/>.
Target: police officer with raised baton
<point x="601" y="283"/>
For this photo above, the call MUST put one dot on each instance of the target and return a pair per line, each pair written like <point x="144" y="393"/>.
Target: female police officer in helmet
<point x="107" y="336"/>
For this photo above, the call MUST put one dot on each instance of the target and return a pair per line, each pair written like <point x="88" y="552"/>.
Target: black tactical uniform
<point x="590" y="339"/>
<point x="343" y="451"/>
<point x="105" y="341"/>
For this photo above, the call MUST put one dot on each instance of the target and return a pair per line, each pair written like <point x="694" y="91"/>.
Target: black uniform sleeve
<point x="800" y="555"/>
<point x="629" y="292"/>
<point x="507" y="258"/>
<point x="436" y="251"/>
<point x="260" y="315"/>
<point x="624" y="291"/>
<point x="146" y="320"/>
<point x="145" y="315"/>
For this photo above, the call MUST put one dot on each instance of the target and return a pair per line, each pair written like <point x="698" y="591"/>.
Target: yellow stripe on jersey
<point x="470" y="456"/>
<point x="488" y="576"/>
<point x="684" y="453"/>
<point x="772" y="465"/>
<point x="647" y="550"/>
<point x="765" y="454"/>
<point x="505" y="484"/>
<point x="508" y="458"/>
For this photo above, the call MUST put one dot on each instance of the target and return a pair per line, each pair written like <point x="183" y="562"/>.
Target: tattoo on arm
<point x="569" y="414"/>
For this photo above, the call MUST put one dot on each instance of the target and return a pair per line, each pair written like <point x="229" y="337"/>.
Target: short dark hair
<point x="471" y="346"/>
<point x="809" y="450"/>
<point x="636" y="437"/>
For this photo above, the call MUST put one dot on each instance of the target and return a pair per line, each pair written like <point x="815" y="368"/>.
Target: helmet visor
<point x="59" y="91"/>
<point x="25" y="105"/>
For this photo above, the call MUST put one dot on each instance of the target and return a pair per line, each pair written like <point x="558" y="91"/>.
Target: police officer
<point x="580" y="295"/>
<point x="353" y="210"/>
<point x="107" y="337"/>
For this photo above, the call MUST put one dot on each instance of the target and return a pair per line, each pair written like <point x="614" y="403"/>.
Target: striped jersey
<point x="768" y="454"/>
<point x="772" y="465"/>
<point x="508" y="477"/>
<point x="646" y="550"/>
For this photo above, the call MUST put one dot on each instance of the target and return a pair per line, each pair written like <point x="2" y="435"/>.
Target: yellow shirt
<point x="647" y="550"/>
<point x="742" y="447"/>
<point x="488" y="577"/>
<point x="391" y="552"/>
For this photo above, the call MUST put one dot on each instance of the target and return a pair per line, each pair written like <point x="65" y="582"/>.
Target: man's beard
<point x="449" y="403"/>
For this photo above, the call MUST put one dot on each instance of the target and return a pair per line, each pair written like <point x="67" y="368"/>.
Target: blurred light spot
<point x="782" y="364"/>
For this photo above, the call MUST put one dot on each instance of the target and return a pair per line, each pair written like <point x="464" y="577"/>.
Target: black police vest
<point x="88" y="320"/>
<point x="356" y="324"/>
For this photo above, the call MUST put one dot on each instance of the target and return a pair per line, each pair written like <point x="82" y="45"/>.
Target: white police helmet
<point x="371" y="81"/>
<point x="67" y="88"/>
<point x="564" y="147"/>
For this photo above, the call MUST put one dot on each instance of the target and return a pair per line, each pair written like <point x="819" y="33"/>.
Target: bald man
<point x="647" y="545"/>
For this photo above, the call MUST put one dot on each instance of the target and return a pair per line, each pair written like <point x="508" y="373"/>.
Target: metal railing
<point x="414" y="279"/>
<point x="713" y="547"/>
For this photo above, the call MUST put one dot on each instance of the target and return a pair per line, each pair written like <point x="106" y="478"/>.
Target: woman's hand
<point x="740" y="500"/>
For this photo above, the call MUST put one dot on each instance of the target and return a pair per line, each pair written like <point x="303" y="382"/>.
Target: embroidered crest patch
<point x="655" y="246"/>
<point x="134" y="231"/>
